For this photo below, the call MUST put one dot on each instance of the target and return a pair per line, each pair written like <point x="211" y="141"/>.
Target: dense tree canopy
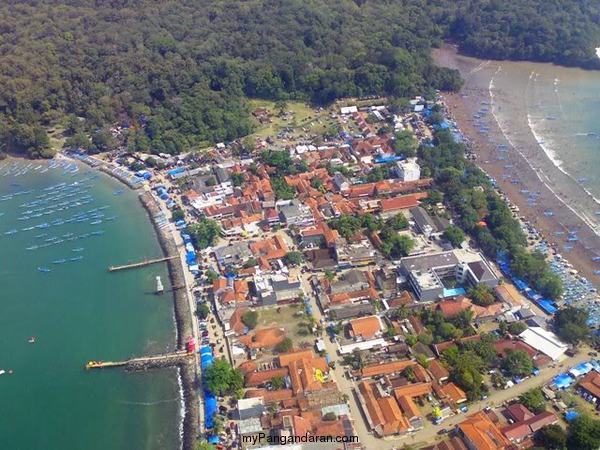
<point x="204" y="233"/>
<point x="177" y="72"/>
<point x="571" y="324"/>
<point x="584" y="433"/>
<point x="534" y="400"/>
<point x="221" y="379"/>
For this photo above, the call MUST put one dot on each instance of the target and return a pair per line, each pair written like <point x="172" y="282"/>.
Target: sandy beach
<point x="512" y="155"/>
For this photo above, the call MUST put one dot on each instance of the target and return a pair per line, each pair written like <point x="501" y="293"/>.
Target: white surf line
<point x="538" y="172"/>
<point x="479" y="67"/>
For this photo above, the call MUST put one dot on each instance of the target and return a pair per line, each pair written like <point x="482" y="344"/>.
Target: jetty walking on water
<point x="143" y="263"/>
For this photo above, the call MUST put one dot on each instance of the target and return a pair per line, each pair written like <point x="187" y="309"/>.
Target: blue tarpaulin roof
<point x="190" y="257"/>
<point x="520" y="284"/>
<point x="571" y="415"/>
<point x="563" y="381"/>
<point x="176" y="171"/>
<point x="210" y="401"/>
<point x="546" y="305"/>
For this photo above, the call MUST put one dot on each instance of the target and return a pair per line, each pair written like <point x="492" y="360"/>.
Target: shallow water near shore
<point x="535" y="128"/>
<point x="55" y="286"/>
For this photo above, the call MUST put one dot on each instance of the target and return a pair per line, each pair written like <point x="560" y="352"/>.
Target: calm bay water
<point x="78" y="311"/>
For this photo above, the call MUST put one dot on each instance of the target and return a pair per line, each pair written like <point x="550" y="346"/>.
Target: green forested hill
<point x="179" y="71"/>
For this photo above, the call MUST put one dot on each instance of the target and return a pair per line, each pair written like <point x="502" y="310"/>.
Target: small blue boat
<point x="76" y="258"/>
<point x="43" y="269"/>
<point x="59" y="261"/>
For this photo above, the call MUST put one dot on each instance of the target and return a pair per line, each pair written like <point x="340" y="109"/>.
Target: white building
<point x="408" y="170"/>
<point x="348" y="109"/>
<point x="544" y="341"/>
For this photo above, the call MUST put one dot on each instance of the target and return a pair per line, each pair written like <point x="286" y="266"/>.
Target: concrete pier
<point x="145" y="362"/>
<point x="143" y="263"/>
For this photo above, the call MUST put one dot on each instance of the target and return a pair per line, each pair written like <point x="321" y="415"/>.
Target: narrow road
<point x="429" y="433"/>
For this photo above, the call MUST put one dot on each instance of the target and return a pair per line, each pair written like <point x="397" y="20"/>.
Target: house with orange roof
<point x="382" y="411"/>
<point x="388" y="368"/>
<point x="319" y="235"/>
<point x="259" y="187"/>
<point x="413" y="390"/>
<point x="509" y="295"/>
<point x="480" y="433"/>
<point x="276" y="396"/>
<point x="366" y="328"/>
<point x="453" y="307"/>
<point x="454" y="393"/>
<point x="438" y="371"/>
<point x="258" y="378"/>
<point x="268" y="250"/>
<point x="411" y="412"/>
<point x="352" y="287"/>
<point x="391" y="206"/>
<point x="231" y="291"/>
<point x="361" y="190"/>
<point x="306" y="372"/>
<point x="589" y="386"/>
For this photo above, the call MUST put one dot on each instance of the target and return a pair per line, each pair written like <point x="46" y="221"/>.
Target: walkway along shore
<point x="183" y="321"/>
<point x="188" y="368"/>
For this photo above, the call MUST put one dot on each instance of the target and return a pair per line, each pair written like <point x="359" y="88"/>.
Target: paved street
<point x="429" y="433"/>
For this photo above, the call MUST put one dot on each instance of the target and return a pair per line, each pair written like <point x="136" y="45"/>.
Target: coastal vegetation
<point x="570" y="324"/>
<point x="482" y="213"/>
<point x="584" y="433"/>
<point x="176" y="74"/>
<point x="222" y="379"/>
<point x="204" y="233"/>
<point x="534" y="400"/>
<point x="551" y="437"/>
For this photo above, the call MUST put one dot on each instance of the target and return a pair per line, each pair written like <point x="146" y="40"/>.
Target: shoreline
<point x="187" y="370"/>
<point x="187" y="376"/>
<point x="460" y="108"/>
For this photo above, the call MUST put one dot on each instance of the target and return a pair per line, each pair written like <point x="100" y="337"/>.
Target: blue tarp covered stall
<point x="176" y="171"/>
<point x="520" y="284"/>
<point x="546" y="305"/>
<point x="190" y="257"/>
<point x="563" y="381"/>
<point x="571" y="415"/>
<point x="210" y="401"/>
<point x="143" y="174"/>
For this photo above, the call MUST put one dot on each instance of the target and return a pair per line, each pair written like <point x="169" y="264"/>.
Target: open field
<point x="291" y="318"/>
<point x="300" y="119"/>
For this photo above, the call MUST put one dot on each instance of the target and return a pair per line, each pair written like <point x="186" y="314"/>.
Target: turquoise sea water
<point x="78" y="311"/>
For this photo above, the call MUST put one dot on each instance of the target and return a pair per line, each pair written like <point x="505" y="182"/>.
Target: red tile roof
<point x="366" y="327"/>
<point x="398" y="203"/>
<point x="481" y="433"/>
<point x="386" y="368"/>
<point x="438" y="371"/>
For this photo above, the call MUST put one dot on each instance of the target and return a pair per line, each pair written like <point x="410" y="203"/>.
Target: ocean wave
<point x="543" y="143"/>
<point x="542" y="177"/>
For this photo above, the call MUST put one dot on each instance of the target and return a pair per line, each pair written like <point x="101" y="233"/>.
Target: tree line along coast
<point x="169" y="76"/>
